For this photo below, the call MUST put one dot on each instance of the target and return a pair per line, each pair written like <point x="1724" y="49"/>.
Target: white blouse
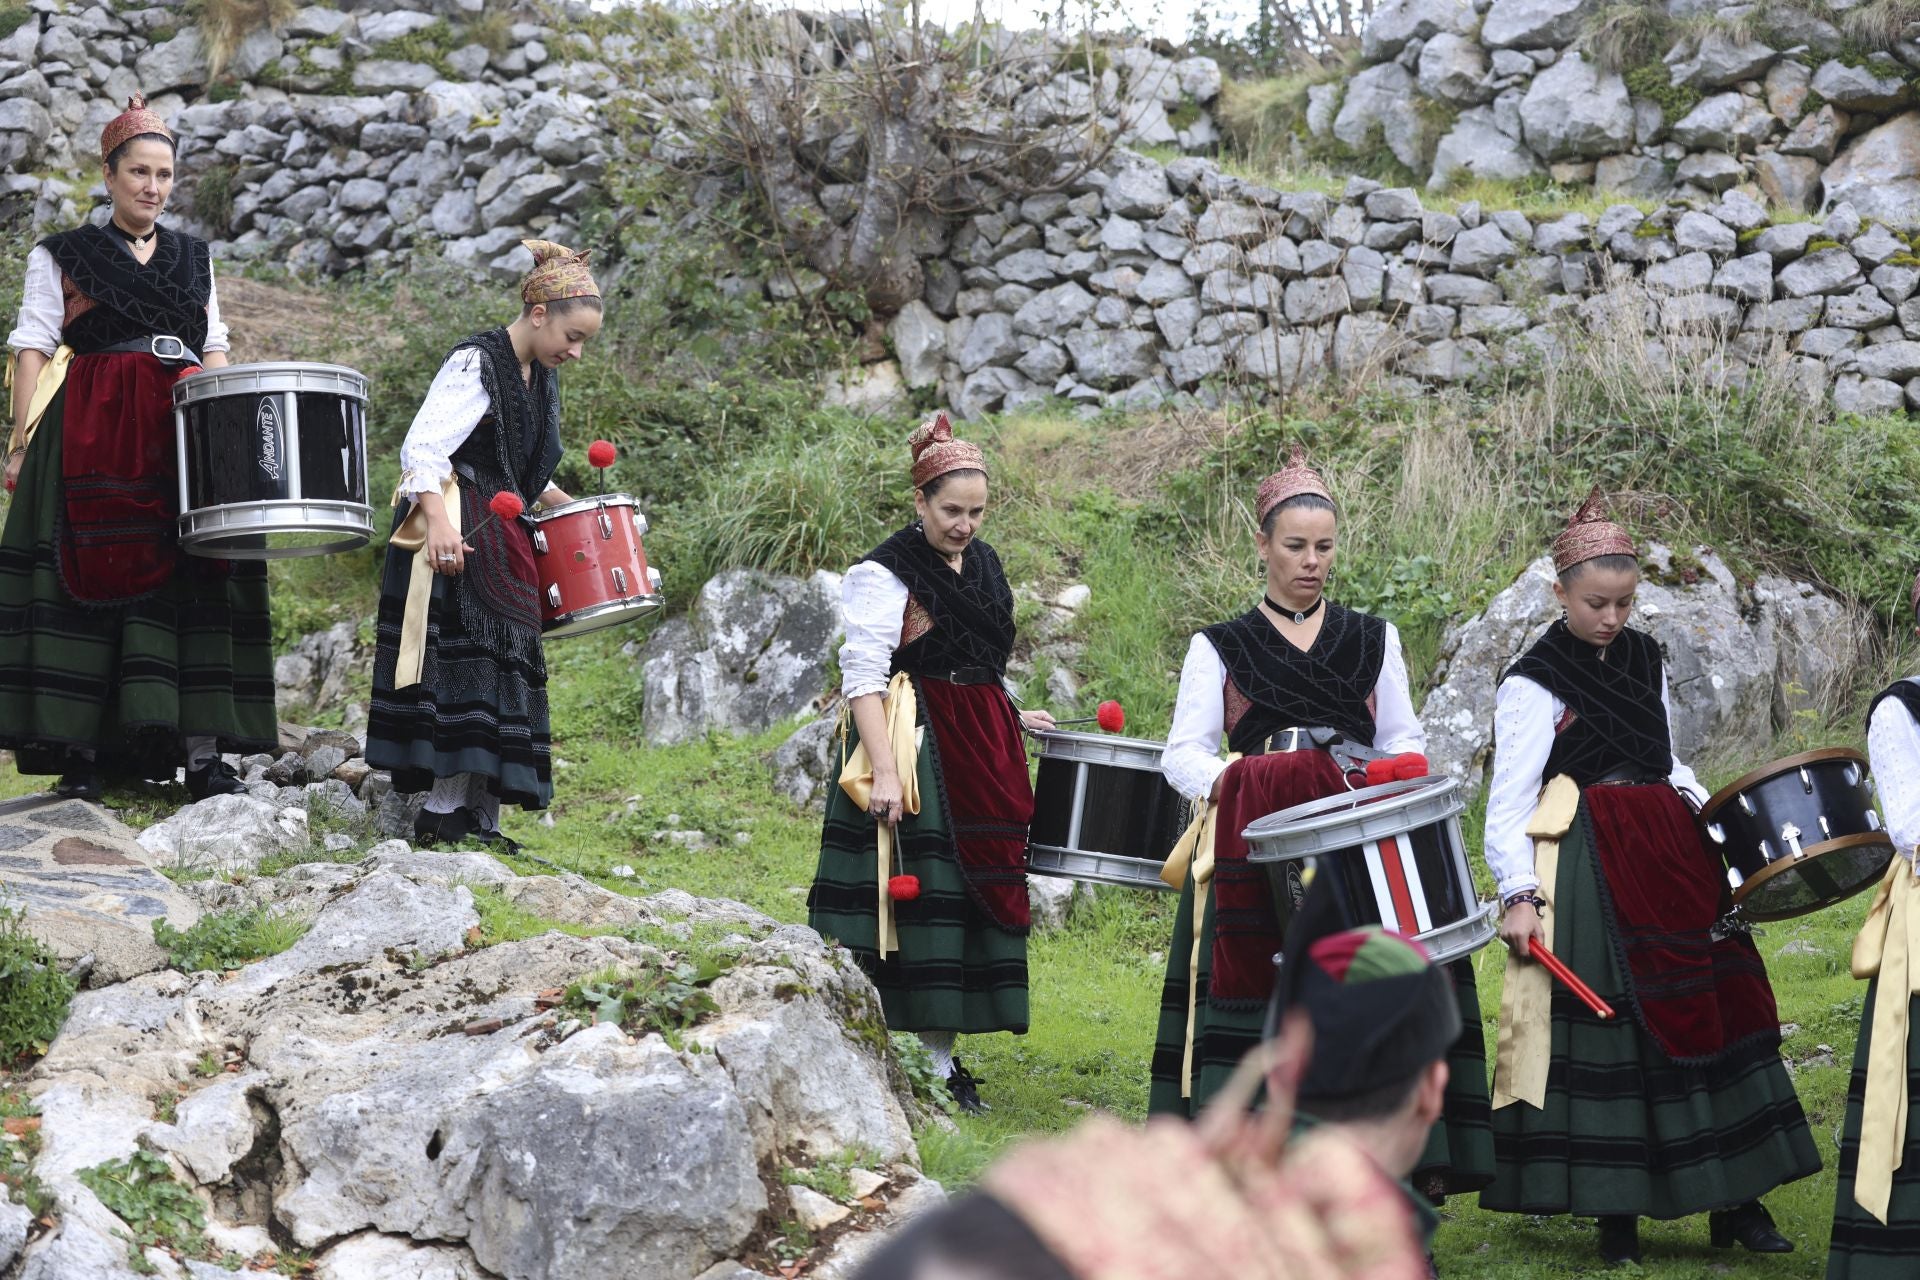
<point x="874" y="601"/>
<point x="42" y="308"/>
<point x="1893" y="749"/>
<point x="1524" y="715"/>
<point x="1192" y="760"/>
<point x="455" y="403"/>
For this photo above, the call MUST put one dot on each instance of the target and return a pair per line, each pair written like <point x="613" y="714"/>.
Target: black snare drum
<point x="1102" y="811"/>
<point x="1798" y="834"/>
<point x="1395" y="856"/>
<point x="273" y="460"/>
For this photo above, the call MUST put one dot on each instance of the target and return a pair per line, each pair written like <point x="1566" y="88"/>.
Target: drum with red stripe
<point x="1395" y="855"/>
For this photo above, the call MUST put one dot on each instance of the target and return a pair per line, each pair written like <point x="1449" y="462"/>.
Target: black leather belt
<point x="1625" y="777"/>
<point x="961" y="675"/>
<point x="161" y="346"/>
<point x="1346" y="753"/>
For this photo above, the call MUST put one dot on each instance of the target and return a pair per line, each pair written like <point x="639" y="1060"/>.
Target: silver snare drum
<point x="1395" y="856"/>
<point x="1102" y="811"/>
<point x="273" y="460"/>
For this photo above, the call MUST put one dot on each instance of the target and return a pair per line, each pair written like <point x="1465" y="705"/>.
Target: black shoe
<point x="498" y="841"/>
<point x="430" y="828"/>
<point x="1619" y="1239"/>
<point x="965" y="1088"/>
<point x="78" y="784"/>
<point x="216" y="779"/>
<point x="1750" y="1226"/>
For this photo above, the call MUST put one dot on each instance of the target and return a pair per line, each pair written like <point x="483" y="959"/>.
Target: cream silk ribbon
<point x="412" y="536"/>
<point x="53" y="375"/>
<point x="856" y="779"/>
<point x="1193" y="851"/>
<point x="1887" y="947"/>
<point x="1526" y="1000"/>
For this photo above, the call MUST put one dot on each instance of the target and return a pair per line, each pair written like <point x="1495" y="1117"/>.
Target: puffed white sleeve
<point x="874" y="602"/>
<point x="1680" y="777"/>
<point x="217" y="334"/>
<point x="455" y="403"/>
<point x="1523" y="718"/>
<point x="1395" y="727"/>
<point x="1191" y="761"/>
<point x="1893" y="748"/>
<point x="38" y="326"/>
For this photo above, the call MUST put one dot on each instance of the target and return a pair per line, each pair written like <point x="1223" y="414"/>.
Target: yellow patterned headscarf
<point x="558" y="273"/>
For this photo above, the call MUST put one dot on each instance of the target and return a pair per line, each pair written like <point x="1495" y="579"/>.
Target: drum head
<point x="585" y="504"/>
<point x="1829" y="873"/>
<point x="1353" y="818"/>
<point x="601" y="616"/>
<point x="271" y="376"/>
<point x="1101" y="748"/>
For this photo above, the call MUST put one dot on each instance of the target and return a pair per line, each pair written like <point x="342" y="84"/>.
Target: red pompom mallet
<point x="903" y="888"/>
<point x="601" y="454"/>
<point x="506" y="505"/>
<point x="1409" y="765"/>
<point x="1111" y="716"/>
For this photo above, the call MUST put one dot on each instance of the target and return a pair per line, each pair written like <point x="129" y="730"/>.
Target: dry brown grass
<point x="285" y="322"/>
<point x="224" y="24"/>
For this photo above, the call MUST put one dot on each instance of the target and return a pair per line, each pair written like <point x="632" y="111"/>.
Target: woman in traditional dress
<point x="1876" y="1208"/>
<point x="1680" y="1105"/>
<point x="118" y="653"/>
<point x="459" y="677"/>
<point x="1296" y="663"/>
<point x="929" y="616"/>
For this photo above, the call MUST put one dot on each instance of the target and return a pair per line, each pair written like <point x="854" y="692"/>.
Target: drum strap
<point x="1526" y="1000"/>
<point x="1887" y="948"/>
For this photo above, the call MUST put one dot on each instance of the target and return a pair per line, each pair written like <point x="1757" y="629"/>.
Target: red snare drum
<point x="593" y="569"/>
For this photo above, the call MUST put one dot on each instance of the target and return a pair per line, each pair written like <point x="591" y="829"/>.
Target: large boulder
<point x="1879" y="173"/>
<point x="1575" y="111"/>
<point x="1532" y="24"/>
<point x="1476" y="147"/>
<point x="754" y="650"/>
<point x="1397" y="22"/>
<point x="1379" y="107"/>
<point x="1735" y="656"/>
<point x="226" y="833"/>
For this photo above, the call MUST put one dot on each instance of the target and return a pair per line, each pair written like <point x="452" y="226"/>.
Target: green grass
<point x="226" y="940"/>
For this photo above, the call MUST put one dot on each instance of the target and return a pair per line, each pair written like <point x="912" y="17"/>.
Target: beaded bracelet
<point x="1527" y="895"/>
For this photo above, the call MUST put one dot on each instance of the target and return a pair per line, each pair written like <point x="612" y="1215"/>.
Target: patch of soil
<point x="75" y="852"/>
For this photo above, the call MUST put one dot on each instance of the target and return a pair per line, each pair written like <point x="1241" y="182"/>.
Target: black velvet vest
<point x="167" y="295"/>
<point x="1327" y="684"/>
<point x="1619" y="723"/>
<point x="972" y="611"/>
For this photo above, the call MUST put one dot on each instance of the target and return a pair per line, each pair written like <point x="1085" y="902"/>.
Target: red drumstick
<point x="1559" y="970"/>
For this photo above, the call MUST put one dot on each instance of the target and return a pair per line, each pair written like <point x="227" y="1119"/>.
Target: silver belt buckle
<point x="1293" y="739"/>
<point x="167" y="347"/>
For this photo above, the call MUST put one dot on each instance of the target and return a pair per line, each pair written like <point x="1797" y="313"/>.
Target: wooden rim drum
<point x="592" y="566"/>
<point x="1798" y="834"/>
<point x="1102" y="810"/>
<point x="272" y="460"/>
<point x="1396" y="857"/>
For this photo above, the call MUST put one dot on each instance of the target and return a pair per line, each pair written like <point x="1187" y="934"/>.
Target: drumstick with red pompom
<point x="505" y="504"/>
<point x="1109" y="715"/>
<point x="601" y="455"/>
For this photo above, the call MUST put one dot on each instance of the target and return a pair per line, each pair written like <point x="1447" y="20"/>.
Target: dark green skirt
<point x="129" y="681"/>
<point x="1863" y="1248"/>
<point x="955" y="970"/>
<point x="1624" y="1129"/>
<point x="1459" y="1154"/>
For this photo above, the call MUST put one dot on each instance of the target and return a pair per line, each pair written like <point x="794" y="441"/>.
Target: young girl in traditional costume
<point x="1876" y="1208"/>
<point x="119" y="653"/>
<point x="459" y="677"/>
<point x="1681" y="1104"/>
<point x="1296" y="663"/>
<point x="941" y="925"/>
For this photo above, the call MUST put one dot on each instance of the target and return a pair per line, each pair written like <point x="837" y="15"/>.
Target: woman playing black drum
<point x="1296" y="662"/>
<point x="1681" y="1104"/>
<point x="459" y="678"/>
<point x="1876" y="1209"/>
<point x="942" y="930"/>
<point x="117" y="652"/>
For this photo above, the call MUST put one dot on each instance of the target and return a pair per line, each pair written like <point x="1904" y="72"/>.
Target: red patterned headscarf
<point x="936" y="452"/>
<point x="1590" y="535"/>
<point x="558" y="273"/>
<point x="1290" y="481"/>
<point x="131" y="123"/>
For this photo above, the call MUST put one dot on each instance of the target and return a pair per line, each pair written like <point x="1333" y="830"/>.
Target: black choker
<point x="1298" y="615"/>
<point x="128" y="236"/>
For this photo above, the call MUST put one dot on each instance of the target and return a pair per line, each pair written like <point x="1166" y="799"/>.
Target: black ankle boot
<point x="1619" y="1239"/>
<point x="965" y="1088"/>
<point x="1750" y="1226"/>
<point x="430" y="828"/>
<point x="216" y="778"/>
<point x="78" y="783"/>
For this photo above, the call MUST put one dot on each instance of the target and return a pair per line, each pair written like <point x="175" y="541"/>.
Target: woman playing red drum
<point x="118" y="653"/>
<point x="460" y="678"/>
<point x="1680" y="1105"/>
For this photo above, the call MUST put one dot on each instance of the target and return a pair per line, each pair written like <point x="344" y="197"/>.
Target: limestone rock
<point x="1379" y="104"/>
<point x="753" y="651"/>
<point x="805" y="764"/>
<point x="1860" y="88"/>
<point x="225" y="833"/>
<point x="1724" y="122"/>
<point x="1398" y="21"/>
<point x="1718" y="60"/>
<point x="1476" y="147"/>
<point x="1453" y="68"/>
<point x="1879" y="173"/>
<point x="1532" y="24"/>
<point x="1573" y="110"/>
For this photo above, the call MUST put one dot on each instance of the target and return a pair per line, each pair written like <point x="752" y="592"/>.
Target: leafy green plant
<point x="12" y="17"/>
<point x="829" y="1175"/>
<point x="916" y="1064"/>
<point x="214" y="188"/>
<point x="34" y="993"/>
<point x="207" y="1065"/>
<point x="1652" y="80"/>
<point x="668" y="999"/>
<point x="19" y="1145"/>
<point x="229" y="939"/>
<point x="159" y="1209"/>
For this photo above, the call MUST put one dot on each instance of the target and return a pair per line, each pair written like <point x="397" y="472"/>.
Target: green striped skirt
<point x="194" y="658"/>
<point x="1863" y="1248"/>
<point x="1624" y="1129"/>
<point x="955" y="970"/>
<point x="1459" y="1154"/>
